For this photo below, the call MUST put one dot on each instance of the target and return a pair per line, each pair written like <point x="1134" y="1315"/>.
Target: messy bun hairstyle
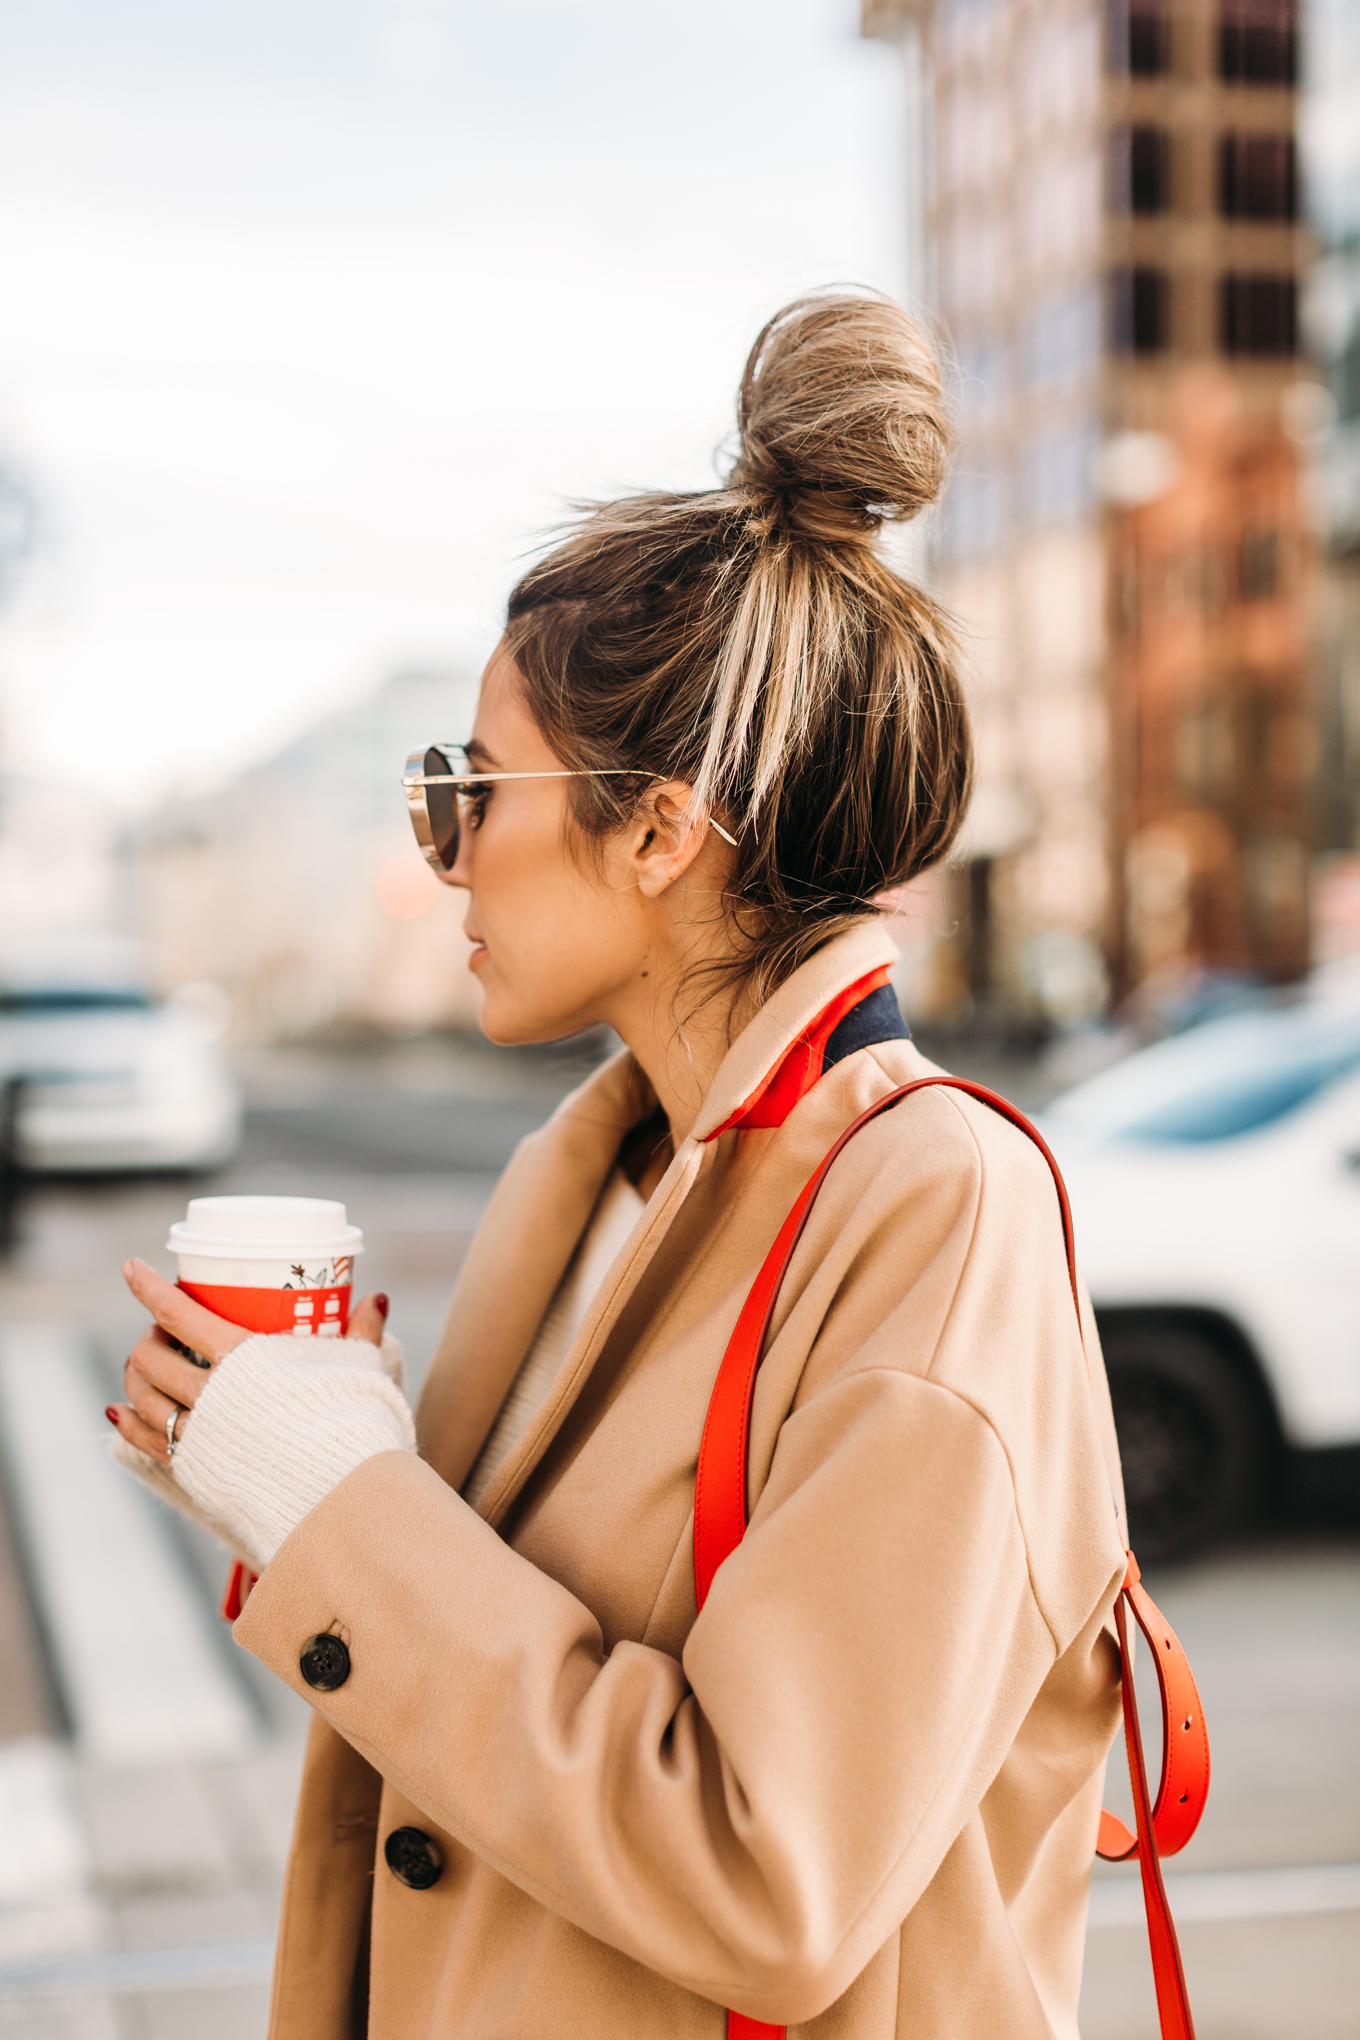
<point x="754" y="641"/>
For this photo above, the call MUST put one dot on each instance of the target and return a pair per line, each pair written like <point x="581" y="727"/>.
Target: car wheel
<point x="1194" y="1437"/>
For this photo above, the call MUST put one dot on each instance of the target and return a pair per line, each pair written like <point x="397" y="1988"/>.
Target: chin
<point x="502" y="1024"/>
<point x="506" y="1027"/>
<point x="503" y="1036"/>
<point x="498" y="1025"/>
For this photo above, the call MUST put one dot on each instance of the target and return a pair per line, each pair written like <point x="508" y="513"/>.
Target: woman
<point x="857" y="1794"/>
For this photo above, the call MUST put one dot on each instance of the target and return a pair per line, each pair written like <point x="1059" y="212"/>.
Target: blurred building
<point x="298" y="887"/>
<point x="1331" y="167"/>
<point x="1111" y="214"/>
<point x="1331" y="139"/>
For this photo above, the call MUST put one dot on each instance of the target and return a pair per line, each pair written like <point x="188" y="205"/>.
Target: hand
<point x="159" y="1378"/>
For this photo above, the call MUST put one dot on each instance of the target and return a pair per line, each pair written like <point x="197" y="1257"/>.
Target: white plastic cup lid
<point x="265" y="1229"/>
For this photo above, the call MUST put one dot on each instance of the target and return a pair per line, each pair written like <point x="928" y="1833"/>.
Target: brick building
<point x="1110" y="208"/>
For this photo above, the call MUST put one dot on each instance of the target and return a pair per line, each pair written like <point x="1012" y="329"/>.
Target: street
<point x="147" y="1767"/>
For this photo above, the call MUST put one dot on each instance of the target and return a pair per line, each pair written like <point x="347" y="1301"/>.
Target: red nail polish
<point x="112" y="1415"/>
<point x="383" y="1304"/>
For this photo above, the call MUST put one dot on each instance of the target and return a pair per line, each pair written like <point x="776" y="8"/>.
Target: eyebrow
<point x="477" y="753"/>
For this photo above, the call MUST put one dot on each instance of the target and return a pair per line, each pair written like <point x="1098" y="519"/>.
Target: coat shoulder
<point x="943" y="1257"/>
<point x="941" y="1136"/>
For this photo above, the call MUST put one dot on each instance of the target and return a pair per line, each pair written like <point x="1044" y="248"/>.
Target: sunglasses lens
<point x="441" y="805"/>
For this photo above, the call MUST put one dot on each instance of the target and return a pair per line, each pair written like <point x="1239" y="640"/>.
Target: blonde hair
<point x="754" y="641"/>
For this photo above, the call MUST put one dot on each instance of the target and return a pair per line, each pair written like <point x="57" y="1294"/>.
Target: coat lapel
<point x="518" y="1256"/>
<point x="596" y="1326"/>
<point x="542" y="1205"/>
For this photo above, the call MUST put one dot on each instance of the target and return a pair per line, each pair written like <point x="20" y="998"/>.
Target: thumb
<point x="368" y="1319"/>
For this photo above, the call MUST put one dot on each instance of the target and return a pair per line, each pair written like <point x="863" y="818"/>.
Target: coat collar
<point x="779" y="1050"/>
<point x="545" y="1198"/>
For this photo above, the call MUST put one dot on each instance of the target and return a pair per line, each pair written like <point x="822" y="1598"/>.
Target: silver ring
<point x="170" y="1424"/>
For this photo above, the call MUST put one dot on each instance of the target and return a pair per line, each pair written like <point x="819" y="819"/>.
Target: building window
<point x="1258" y="314"/>
<point x="1140" y="170"/>
<point x="1257" y="178"/>
<point x="1149" y="169"/>
<point x="973" y="259"/>
<point x="1205" y="750"/>
<point x="1138" y="37"/>
<point x="1258" y="42"/>
<point x="1259" y="566"/>
<point x="1193" y="581"/>
<point x="1277" y="888"/>
<point x="1055" y="477"/>
<point x="1346" y="376"/>
<point x="1061" y="341"/>
<point x="1140" y="310"/>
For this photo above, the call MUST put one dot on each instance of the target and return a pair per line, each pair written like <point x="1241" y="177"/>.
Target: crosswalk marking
<point x="218" y="1965"/>
<point x="43" y="1853"/>
<point x="143" y="1676"/>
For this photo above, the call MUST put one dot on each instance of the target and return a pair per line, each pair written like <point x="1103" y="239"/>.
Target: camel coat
<point x="858" y="1795"/>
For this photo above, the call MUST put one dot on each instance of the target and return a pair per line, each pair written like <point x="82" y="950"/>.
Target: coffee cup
<point x="270" y="1264"/>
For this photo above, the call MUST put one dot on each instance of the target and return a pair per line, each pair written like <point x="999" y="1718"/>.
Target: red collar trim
<point x="798" y="1069"/>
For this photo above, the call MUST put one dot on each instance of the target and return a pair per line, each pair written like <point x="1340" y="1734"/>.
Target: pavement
<point x="1267" y="1894"/>
<point x="147" y="1767"/>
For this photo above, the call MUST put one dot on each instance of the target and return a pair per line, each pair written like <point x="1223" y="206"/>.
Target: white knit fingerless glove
<point x="279" y="1424"/>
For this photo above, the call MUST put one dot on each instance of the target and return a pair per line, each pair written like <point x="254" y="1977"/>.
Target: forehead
<point x="505" y="736"/>
<point x="499" y="681"/>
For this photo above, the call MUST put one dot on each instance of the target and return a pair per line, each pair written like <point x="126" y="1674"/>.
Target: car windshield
<point x="1223" y="1079"/>
<point x="37" y="1001"/>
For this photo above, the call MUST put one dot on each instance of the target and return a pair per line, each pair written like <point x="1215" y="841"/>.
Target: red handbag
<point x="720" y="1524"/>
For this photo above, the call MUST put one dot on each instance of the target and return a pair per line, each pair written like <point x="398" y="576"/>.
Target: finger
<point x="368" y="1319"/>
<point x="154" y="1408"/>
<point x="146" y="1437"/>
<point x="157" y="1360"/>
<point x="180" y="1315"/>
<point x="147" y="1398"/>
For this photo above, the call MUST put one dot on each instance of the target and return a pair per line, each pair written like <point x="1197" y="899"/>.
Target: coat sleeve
<point x="752" y="1821"/>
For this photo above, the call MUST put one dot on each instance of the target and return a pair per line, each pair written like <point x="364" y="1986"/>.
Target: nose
<point x="459" y="872"/>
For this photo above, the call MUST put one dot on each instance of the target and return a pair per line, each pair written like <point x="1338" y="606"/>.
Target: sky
<point x="318" y="313"/>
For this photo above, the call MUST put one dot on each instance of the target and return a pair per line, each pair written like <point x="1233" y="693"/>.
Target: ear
<point x="667" y="837"/>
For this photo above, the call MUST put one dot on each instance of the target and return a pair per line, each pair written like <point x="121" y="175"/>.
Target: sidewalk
<point x="141" y="1851"/>
<point x="148" y="1767"/>
<point x="151" y="1892"/>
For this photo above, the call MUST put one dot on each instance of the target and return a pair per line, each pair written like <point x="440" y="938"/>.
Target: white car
<point x="101" y="1077"/>
<point x="1215" y="1186"/>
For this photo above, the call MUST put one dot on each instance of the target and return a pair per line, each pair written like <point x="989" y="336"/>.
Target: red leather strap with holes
<point x="1184" y="1783"/>
<point x="720" y="1524"/>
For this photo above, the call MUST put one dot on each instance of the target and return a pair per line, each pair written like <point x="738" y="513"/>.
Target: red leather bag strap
<point x="720" y="1525"/>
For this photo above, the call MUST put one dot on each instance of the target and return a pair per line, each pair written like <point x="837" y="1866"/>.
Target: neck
<point x="679" y="1043"/>
<point x="677" y="1014"/>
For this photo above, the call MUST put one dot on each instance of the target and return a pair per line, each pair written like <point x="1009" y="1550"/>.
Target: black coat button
<point x="413" y="1858"/>
<point x="324" y="1663"/>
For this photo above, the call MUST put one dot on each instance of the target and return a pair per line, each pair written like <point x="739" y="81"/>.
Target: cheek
<point x="533" y="913"/>
<point x="557" y="937"/>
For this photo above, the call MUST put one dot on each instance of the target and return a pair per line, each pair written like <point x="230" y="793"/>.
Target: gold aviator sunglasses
<point x="435" y="795"/>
